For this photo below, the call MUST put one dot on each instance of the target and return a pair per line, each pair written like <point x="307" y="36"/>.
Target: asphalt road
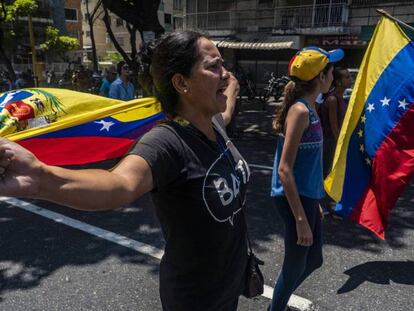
<point x="47" y="265"/>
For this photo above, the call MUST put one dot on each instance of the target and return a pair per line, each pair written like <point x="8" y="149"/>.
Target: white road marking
<point x="261" y="166"/>
<point x="96" y="231"/>
<point x="295" y="302"/>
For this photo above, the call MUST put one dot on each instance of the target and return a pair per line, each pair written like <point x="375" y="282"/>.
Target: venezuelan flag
<point x="374" y="158"/>
<point x="63" y="127"/>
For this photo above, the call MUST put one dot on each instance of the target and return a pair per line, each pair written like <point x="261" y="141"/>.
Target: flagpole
<point x="385" y="13"/>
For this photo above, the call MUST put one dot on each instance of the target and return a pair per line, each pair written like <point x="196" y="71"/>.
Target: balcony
<point x="378" y="2"/>
<point x="311" y="19"/>
<point x="329" y="18"/>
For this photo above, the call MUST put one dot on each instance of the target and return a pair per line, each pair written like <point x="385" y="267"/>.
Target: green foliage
<point x="58" y="44"/>
<point x="20" y="8"/>
<point x="114" y="57"/>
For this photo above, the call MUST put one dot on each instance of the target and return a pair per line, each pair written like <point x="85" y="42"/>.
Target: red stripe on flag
<point x="392" y="169"/>
<point x="77" y="150"/>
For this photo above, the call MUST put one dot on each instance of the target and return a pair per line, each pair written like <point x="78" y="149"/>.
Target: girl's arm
<point x="296" y="121"/>
<point x="23" y="175"/>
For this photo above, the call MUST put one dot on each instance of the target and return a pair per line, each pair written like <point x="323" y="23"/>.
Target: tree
<point x="140" y="15"/>
<point x="91" y="17"/>
<point x="58" y="45"/>
<point x="9" y="14"/>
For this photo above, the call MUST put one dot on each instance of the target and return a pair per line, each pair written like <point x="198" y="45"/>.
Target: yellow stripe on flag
<point x="387" y="41"/>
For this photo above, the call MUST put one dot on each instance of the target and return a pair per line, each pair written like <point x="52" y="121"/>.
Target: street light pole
<point x="32" y="45"/>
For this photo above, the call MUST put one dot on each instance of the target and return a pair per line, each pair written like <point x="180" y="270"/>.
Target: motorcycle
<point x="275" y="87"/>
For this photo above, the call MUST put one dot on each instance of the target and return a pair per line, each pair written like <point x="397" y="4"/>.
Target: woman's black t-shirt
<point x="198" y="195"/>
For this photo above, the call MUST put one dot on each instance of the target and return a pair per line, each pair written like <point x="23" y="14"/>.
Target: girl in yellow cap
<point x="297" y="180"/>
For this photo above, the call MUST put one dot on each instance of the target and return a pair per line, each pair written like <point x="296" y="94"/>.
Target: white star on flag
<point x="361" y="148"/>
<point x="385" y="101"/>
<point x="370" y="107"/>
<point x="368" y="161"/>
<point x="403" y="104"/>
<point x="105" y="125"/>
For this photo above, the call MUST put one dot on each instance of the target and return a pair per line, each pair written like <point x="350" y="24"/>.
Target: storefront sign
<point x="348" y="41"/>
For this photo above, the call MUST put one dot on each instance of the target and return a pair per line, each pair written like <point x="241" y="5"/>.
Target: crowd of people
<point x="197" y="178"/>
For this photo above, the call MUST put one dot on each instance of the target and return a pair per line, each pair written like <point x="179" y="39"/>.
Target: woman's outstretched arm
<point x="23" y="175"/>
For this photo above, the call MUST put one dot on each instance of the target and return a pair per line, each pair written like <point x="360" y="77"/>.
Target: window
<point x="178" y="23"/>
<point x="178" y="5"/>
<point x="119" y="22"/>
<point x="86" y="17"/>
<point x="71" y="15"/>
<point x="167" y="18"/>
<point x="88" y="33"/>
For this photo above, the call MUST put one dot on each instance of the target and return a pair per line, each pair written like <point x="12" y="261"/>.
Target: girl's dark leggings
<point x="299" y="261"/>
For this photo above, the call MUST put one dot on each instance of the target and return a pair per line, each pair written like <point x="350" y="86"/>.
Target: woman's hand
<point x="304" y="233"/>
<point x="20" y="170"/>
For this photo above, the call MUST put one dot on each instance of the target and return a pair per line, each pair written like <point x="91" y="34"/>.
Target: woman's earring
<point x="185" y="90"/>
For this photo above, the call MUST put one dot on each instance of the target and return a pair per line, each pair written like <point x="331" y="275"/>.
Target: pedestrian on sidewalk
<point x="196" y="179"/>
<point x="297" y="180"/>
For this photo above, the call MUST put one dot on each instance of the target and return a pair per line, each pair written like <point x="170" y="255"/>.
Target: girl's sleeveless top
<point x="307" y="169"/>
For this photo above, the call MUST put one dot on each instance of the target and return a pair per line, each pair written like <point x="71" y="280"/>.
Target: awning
<point x="256" y="45"/>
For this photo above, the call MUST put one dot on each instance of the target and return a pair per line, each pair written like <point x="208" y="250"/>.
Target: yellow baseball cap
<point x="310" y="61"/>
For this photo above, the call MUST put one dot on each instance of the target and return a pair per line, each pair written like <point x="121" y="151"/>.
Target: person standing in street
<point x="196" y="177"/>
<point x="332" y="113"/>
<point x="297" y="179"/>
<point x="110" y="76"/>
<point x="122" y="88"/>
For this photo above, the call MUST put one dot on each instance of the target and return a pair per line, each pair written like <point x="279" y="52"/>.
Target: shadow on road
<point x="33" y="247"/>
<point x="379" y="272"/>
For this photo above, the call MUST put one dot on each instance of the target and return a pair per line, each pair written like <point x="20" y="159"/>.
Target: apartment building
<point x="262" y="35"/>
<point x="73" y="20"/>
<point x="62" y="14"/>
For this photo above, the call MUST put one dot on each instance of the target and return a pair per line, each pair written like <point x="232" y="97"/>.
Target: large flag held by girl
<point x="374" y="158"/>
<point x="63" y="127"/>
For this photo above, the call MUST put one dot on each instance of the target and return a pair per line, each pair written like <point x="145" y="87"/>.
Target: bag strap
<point x="237" y="156"/>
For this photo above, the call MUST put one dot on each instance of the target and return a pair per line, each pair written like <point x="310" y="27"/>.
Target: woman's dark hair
<point x="338" y="73"/>
<point x="176" y="52"/>
<point x="295" y="89"/>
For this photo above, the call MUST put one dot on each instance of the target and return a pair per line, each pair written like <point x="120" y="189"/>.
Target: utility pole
<point x="32" y="46"/>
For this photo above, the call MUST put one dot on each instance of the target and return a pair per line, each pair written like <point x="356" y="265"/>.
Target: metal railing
<point x="376" y="2"/>
<point x="311" y="16"/>
<point x="224" y="20"/>
<point x="293" y="17"/>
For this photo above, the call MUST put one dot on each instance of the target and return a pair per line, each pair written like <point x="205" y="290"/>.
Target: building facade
<point x="262" y="35"/>
<point x="62" y="14"/>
